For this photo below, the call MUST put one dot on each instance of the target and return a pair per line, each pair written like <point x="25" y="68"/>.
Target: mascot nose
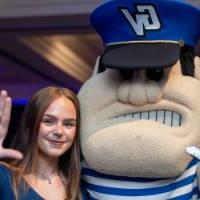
<point x="140" y="89"/>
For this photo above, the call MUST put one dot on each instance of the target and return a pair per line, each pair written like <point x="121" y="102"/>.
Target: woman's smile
<point x="56" y="143"/>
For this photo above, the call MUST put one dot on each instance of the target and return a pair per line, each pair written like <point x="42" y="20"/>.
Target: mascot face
<point x="137" y="120"/>
<point x="130" y="127"/>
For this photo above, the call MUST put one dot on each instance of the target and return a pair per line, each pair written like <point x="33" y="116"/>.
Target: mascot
<point x="140" y="129"/>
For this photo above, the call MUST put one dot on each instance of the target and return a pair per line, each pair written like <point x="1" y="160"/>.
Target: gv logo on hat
<point x="146" y="18"/>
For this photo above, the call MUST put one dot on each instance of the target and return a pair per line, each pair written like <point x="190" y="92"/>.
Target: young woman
<point x="44" y="160"/>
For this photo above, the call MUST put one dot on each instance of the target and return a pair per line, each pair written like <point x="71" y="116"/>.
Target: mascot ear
<point x="197" y="67"/>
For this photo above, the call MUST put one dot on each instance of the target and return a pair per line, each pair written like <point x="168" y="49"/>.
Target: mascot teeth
<point x="166" y="117"/>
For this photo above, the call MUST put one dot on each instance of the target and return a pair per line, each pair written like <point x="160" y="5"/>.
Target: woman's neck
<point x="46" y="165"/>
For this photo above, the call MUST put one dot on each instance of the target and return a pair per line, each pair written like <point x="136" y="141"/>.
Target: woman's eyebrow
<point x="49" y="115"/>
<point x="52" y="116"/>
<point x="71" y="119"/>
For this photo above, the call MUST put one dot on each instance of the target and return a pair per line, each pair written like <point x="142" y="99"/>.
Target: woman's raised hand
<point x="5" y="110"/>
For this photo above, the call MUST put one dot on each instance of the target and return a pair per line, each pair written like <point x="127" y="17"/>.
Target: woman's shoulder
<point x="5" y="183"/>
<point x="4" y="167"/>
<point x="5" y="172"/>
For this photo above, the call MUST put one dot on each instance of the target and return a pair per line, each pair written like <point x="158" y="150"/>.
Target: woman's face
<point x="57" y="128"/>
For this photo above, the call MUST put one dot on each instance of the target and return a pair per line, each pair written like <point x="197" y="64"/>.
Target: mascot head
<point x="141" y="108"/>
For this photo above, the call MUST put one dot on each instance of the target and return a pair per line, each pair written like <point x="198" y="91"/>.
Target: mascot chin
<point x="140" y="132"/>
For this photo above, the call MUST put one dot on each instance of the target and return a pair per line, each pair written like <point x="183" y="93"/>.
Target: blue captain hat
<point x="145" y="33"/>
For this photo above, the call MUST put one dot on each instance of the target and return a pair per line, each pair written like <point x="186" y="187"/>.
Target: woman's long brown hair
<point x="26" y="142"/>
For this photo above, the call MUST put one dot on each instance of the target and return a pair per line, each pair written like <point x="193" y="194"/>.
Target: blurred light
<point x="19" y="102"/>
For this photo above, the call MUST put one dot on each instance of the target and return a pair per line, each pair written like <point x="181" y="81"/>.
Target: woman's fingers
<point x="5" y="110"/>
<point x="5" y="119"/>
<point x="3" y="95"/>
<point x="10" y="153"/>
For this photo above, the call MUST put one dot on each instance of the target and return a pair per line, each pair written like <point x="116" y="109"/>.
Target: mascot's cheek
<point x="138" y="151"/>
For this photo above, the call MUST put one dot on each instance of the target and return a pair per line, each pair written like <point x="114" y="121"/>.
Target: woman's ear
<point x="197" y="68"/>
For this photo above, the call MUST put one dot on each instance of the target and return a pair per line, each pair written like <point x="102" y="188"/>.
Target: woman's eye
<point x="47" y="121"/>
<point x="70" y="124"/>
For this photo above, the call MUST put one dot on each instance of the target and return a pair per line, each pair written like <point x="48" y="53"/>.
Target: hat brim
<point x="141" y="55"/>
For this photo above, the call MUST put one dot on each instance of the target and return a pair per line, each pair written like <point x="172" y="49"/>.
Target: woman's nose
<point x="58" y="132"/>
